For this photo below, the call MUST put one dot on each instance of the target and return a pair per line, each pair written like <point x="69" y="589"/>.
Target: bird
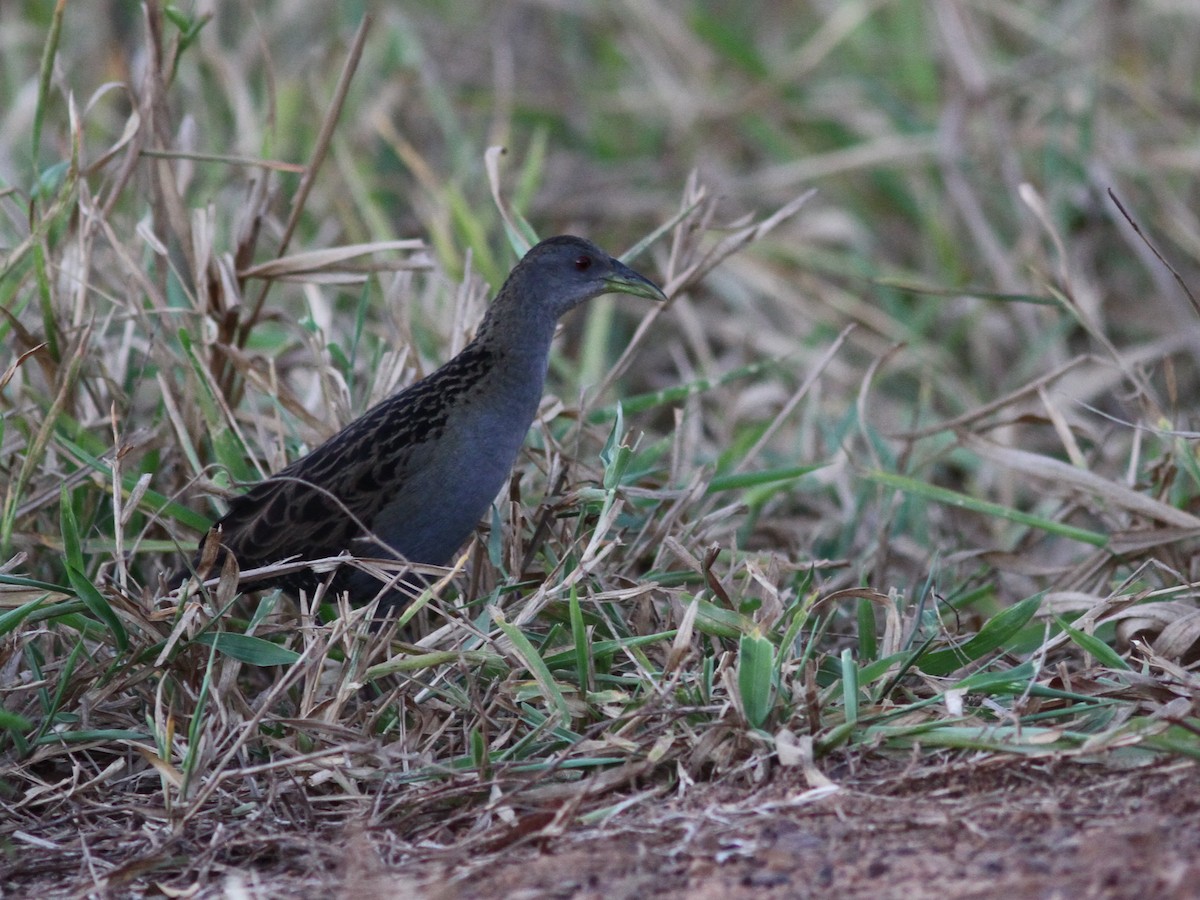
<point x="413" y="476"/>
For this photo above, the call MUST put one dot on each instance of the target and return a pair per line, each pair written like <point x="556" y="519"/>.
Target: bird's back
<point x="410" y="478"/>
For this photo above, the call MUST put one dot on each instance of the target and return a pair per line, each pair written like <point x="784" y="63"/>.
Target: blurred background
<point x="962" y="155"/>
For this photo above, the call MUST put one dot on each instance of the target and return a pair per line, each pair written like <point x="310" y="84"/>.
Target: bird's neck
<point x="518" y="350"/>
<point x="520" y="332"/>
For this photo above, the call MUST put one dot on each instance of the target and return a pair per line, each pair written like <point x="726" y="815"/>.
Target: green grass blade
<point x="984" y="507"/>
<point x="736" y="482"/>
<point x="994" y="634"/>
<point x="248" y="649"/>
<point x="536" y="666"/>
<point x="1105" y="655"/>
<point x="756" y="664"/>
<point x="849" y="686"/>
<point x="579" y="638"/>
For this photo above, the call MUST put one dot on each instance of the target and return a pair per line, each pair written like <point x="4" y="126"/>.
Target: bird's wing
<point x="280" y="518"/>
<point x="319" y="504"/>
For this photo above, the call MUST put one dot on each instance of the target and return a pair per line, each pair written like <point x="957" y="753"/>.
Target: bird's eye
<point x="583" y="263"/>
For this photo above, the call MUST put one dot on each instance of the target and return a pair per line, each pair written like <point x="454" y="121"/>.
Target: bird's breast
<point x="448" y="491"/>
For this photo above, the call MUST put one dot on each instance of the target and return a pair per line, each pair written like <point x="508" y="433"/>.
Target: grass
<point x="907" y="466"/>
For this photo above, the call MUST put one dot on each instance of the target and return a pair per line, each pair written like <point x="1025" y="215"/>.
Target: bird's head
<point x="562" y="272"/>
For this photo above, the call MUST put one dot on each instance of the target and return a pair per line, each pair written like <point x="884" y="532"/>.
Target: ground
<point x="969" y="828"/>
<point x="978" y="829"/>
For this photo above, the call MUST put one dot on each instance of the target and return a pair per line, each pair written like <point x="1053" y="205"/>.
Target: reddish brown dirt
<point x="982" y="828"/>
<point x="971" y="830"/>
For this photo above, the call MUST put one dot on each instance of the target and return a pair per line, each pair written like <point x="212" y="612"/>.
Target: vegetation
<point x="906" y="467"/>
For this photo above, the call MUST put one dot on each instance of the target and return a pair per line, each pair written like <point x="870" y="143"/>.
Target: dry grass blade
<point x="223" y="159"/>
<point x="1178" y="279"/>
<point x="320" y="149"/>
<point x="303" y="266"/>
<point x="1057" y="472"/>
<point x="801" y="392"/>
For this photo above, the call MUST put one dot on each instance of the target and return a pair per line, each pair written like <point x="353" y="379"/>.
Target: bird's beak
<point x="624" y="280"/>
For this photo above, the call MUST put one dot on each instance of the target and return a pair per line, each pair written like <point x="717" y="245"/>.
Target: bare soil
<point x="983" y="829"/>
<point x="979" y="828"/>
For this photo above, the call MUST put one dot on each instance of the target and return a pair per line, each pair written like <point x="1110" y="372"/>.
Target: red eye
<point x="583" y="263"/>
